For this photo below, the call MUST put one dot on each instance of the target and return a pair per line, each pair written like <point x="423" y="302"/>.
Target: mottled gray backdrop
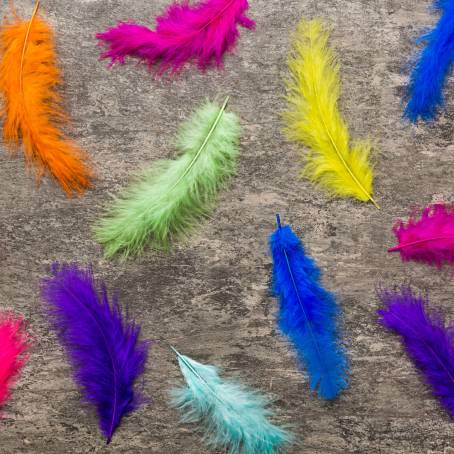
<point x="210" y="298"/>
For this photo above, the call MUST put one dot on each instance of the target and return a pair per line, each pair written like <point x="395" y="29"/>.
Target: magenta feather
<point x="428" y="239"/>
<point x="101" y="343"/>
<point x="184" y="33"/>
<point x="426" y="338"/>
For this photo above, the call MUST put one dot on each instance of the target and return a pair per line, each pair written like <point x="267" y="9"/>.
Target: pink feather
<point x="429" y="239"/>
<point x="14" y="343"/>
<point x="184" y="33"/>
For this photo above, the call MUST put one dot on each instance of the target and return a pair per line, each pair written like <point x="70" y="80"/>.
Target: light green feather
<point x="170" y="198"/>
<point x="234" y="418"/>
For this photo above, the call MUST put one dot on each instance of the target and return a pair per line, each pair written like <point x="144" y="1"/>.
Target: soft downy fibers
<point x="201" y="33"/>
<point x="425" y="90"/>
<point x="14" y="345"/>
<point x="32" y="113"/>
<point x="101" y="343"/>
<point x="308" y="314"/>
<point x="169" y="199"/>
<point x="426" y="337"/>
<point x="313" y="118"/>
<point x="428" y="238"/>
<point x="233" y="417"/>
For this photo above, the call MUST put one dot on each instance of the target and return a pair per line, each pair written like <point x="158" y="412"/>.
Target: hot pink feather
<point x="14" y="343"/>
<point x="429" y="239"/>
<point x="184" y="33"/>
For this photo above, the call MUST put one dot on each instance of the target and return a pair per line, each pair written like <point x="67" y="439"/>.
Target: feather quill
<point x="234" y="417"/>
<point x="308" y="314"/>
<point x="32" y="110"/>
<point x="101" y="343"/>
<point x="429" y="238"/>
<point x="313" y="118"/>
<point x="169" y="199"/>
<point x="425" y="90"/>
<point x="14" y="344"/>
<point x="201" y="33"/>
<point x="426" y="338"/>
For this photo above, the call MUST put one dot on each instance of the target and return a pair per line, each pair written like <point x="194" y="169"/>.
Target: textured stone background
<point x="211" y="299"/>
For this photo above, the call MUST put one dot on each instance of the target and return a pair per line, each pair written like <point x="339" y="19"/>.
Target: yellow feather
<point x="313" y="118"/>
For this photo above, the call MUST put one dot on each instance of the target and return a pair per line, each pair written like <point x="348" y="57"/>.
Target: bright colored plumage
<point x="308" y="314"/>
<point x="14" y="344"/>
<point x="425" y="91"/>
<point x="32" y="112"/>
<point x="168" y="201"/>
<point x="101" y="343"/>
<point x="184" y="33"/>
<point x="234" y="418"/>
<point x="313" y="118"/>
<point x="426" y="338"/>
<point x="428" y="238"/>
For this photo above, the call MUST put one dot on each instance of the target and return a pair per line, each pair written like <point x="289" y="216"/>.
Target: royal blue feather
<point x="102" y="345"/>
<point x="425" y="92"/>
<point x="308" y="314"/>
<point x="426" y="337"/>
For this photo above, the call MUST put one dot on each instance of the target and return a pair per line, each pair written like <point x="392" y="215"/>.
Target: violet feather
<point x="184" y="33"/>
<point x="101" y="343"/>
<point x="426" y="338"/>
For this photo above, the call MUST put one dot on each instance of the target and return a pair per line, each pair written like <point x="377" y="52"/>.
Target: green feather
<point x="171" y="197"/>
<point x="234" y="417"/>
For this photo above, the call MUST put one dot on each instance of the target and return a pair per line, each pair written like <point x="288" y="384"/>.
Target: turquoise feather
<point x="234" y="417"/>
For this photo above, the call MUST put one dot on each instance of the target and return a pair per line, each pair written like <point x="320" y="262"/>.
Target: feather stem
<point x="204" y="144"/>
<point x="424" y="240"/>
<point x="333" y="143"/>
<point x="24" y="49"/>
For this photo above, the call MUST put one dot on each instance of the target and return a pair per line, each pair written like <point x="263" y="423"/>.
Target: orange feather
<point x="32" y="110"/>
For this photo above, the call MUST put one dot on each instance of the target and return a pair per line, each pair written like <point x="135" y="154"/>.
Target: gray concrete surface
<point x="210" y="298"/>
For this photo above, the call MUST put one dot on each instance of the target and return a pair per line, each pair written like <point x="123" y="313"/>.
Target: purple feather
<point x="428" y="341"/>
<point x="101" y="343"/>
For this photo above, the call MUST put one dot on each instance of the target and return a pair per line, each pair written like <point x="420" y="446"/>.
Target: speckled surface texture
<point x="210" y="298"/>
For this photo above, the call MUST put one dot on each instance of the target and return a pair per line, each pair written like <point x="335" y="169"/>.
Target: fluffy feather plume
<point x="184" y="33"/>
<point x="32" y="108"/>
<point x="313" y="118"/>
<point x="234" y="417"/>
<point x="102" y="345"/>
<point x="14" y="343"/>
<point x="428" y="239"/>
<point x="308" y="314"/>
<point x="425" y="91"/>
<point x="169" y="199"/>
<point x="428" y="342"/>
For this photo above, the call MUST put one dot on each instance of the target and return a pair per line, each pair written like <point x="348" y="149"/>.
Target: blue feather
<point x="308" y="314"/>
<point x="102" y="345"/>
<point x="425" y="92"/>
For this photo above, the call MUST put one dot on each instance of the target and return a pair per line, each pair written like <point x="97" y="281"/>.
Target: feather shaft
<point x="415" y="243"/>
<point x="313" y="118"/>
